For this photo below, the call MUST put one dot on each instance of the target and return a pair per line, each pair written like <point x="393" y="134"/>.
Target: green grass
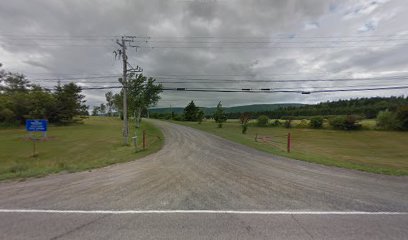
<point x="382" y="152"/>
<point x="96" y="143"/>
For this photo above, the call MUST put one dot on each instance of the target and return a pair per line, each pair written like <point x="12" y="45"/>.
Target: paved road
<point x="198" y="171"/>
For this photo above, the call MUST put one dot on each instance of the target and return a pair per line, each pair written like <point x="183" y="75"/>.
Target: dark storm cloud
<point x="46" y="38"/>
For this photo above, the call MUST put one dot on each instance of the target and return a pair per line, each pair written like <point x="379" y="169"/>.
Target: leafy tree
<point x="244" y="119"/>
<point x="110" y="102"/>
<point x="95" y="110"/>
<point x="143" y="93"/>
<point x="219" y="116"/>
<point x="7" y="116"/>
<point x="316" y="122"/>
<point x="102" y="109"/>
<point x="402" y="117"/>
<point x="262" y="121"/>
<point x="118" y="103"/>
<point x="387" y="120"/>
<point x="349" y="122"/>
<point x="42" y="103"/>
<point x="191" y="112"/>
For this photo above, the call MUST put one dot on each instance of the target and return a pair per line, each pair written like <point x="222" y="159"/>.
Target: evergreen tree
<point x="219" y="116"/>
<point x="190" y="112"/>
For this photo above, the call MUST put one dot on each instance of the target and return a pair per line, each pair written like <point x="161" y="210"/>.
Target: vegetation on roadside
<point x="367" y="108"/>
<point x="21" y="100"/>
<point x="244" y="119"/>
<point x="382" y="152"/>
<point x="96" y="143"/>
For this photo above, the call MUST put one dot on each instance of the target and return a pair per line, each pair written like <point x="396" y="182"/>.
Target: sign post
<point x="36" y="125"/>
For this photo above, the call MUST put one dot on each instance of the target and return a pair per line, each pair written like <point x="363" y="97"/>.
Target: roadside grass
<point x="383" y="152"/>
<point x="96" y="143"/>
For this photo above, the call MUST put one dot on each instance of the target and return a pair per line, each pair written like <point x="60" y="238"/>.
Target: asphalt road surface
<point x="203" y="187"/>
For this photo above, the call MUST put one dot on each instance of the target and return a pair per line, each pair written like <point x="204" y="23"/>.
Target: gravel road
<point x="199" y="171"/>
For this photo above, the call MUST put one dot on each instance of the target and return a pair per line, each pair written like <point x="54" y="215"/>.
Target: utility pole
<point x="124" y="80"/>
<point x="122" y="53"/>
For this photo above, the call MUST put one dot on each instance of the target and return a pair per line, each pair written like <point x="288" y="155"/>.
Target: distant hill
<point x="244" y="108"/>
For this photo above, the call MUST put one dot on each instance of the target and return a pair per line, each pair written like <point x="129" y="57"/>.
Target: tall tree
<point x="219" y="116"/>
<point x="118" y="103"/>
<point x="110" y="104"/>
<point x="102" y="109"/>
<point x="13" y="82"/>
<point x="143" y="93"/>
<point x="69" y="103"/>
<point x="190" y="112"/>
<point x="95" y="110"/>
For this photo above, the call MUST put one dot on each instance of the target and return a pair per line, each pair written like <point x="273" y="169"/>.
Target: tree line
<point x="65" y="104"/>
<point x="364" y="107"/>
<point x="21" y="100"/>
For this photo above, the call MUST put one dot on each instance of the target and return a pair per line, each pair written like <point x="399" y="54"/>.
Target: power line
<point x="276" y="36"/>
<point x="283" y="91"/>
<point x="213" y="80"/>
<point x="243" y="90"/>
<point x="152" y="47"/>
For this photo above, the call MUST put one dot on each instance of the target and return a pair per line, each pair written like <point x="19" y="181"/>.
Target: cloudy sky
<point x="212" y="44"/>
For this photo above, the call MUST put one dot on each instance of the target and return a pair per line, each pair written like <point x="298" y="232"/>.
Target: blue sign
<point x="36" y="125"/>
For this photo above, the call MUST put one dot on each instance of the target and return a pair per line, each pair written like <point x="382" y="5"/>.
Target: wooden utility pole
<point x="122" y="53"/>
<point x="124" y="83"/>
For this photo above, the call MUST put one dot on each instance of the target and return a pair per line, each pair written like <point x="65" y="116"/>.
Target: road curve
<point x="199" y="171"/>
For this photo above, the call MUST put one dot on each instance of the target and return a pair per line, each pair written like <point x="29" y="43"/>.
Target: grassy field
<point x="383" y="152"/>
<point x="96" y="143"/>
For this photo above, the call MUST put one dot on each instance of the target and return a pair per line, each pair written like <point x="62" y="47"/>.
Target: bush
<point x="262" y="121"/>
<point x="244" y="119"/>
<point x="288" y="123"/>
<point x="6" y="115"/>
<point x="316" y="122"/>
<point x="349" y="122"/>
<point x="402" y="117"/>
<point x="387" y="120"/>
<point x="303" y="124"/>
<point x="178" y="117"/>
<point x="275" y="123"/>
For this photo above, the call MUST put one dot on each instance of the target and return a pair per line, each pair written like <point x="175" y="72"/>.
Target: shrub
<point x="178" y="117"/>
<point x="387" y="120"/>
<point x="244" y="119"/>
<point x="262" y="121"/>
<point x="303" y="124"/>
<point x="288" y="123"/>
<point x="402" y="117"/>
<point x="6" y="115"/>
<point x="349" y="122"/>
<point x="275" y="123"/>
<point x="316" y="122"/>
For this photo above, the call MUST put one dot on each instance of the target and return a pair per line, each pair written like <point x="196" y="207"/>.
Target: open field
<point x="96" y="143"/>
<point x="383" y="152"/>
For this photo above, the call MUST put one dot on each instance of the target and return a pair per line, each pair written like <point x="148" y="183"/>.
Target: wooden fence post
<point x="144" y="140"/>
<point x="289" y="142"/>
